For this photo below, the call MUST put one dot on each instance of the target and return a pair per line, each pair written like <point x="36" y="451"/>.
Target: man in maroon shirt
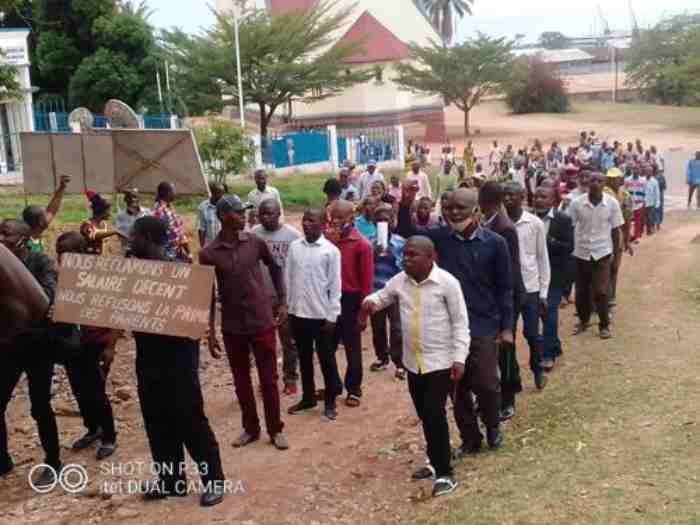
<point x="247" y="318"/>
<point x="357" y="276"/>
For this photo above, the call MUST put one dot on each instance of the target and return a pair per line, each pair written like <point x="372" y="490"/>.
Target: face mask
<point x="461" y="226"/>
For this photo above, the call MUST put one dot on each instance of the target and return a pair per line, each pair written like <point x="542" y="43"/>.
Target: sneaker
<point x="443" y="486"/>
<point x="400" y="374"/>
<point x="507" y="413"/>
<point x="48" y="477"/>
<point x="605" y="333"/>
<point x="427" y="472"/>
<point x="87" y="440"/>
<point x="290" y="389"/>
<point x="245" y="439"/>
<point x="280" y="442"/>
<point x="105" y="450"/>
<point x="378" y="366"/>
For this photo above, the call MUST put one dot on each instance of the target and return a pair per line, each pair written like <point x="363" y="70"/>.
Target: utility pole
<point x="241" y="107"/>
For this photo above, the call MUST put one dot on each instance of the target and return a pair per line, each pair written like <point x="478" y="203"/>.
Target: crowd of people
<point x="443" y="271"/>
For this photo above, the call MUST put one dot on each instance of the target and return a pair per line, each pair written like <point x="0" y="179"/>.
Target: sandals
<point x="353" y="401"/>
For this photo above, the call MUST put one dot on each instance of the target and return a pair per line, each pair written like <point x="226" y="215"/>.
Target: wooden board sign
<point x="134" y="294"/>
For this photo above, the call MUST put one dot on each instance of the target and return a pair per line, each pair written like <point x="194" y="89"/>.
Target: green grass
<point x="298" y="192"/>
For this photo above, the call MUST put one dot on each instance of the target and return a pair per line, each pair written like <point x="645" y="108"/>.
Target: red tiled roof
<point x="379" y="44"/>
<point x="279" y="7"/>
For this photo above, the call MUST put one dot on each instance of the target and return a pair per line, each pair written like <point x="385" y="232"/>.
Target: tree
<point x="225" y="147"/>
<point x="283" y="58"/>
<point x="554" y="40"/>
<point x="442" y="14"/>
<point x="665" y="62"/>
<point x="461" y="74"/>
<point x="139" y="10"/>
<point x="120" y="68"/>
<point x="535" y="88"/>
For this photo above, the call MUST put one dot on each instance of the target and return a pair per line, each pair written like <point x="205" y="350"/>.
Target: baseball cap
<point x="231" y="203"/>
<point x="372" y="162"/>
<point x="614" y="173"/>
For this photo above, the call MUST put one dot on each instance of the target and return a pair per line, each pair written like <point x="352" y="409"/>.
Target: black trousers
<point x="429" y="393"/>
<point x="89" y="388"/>
<point x="167" y="370"/>
<point x="483" y="379"/>
<point x="347" y="332"/>
<point x="391" y="346"/>
<point x="593" y="277"/>
<point x="27" y="358"/>
<point x="310" y="338"/>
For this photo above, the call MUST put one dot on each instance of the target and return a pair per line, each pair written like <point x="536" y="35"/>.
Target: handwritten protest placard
<point x="134" y="294"/>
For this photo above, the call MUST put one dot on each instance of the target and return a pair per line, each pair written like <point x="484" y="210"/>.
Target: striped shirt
<point x="637" y="188"/>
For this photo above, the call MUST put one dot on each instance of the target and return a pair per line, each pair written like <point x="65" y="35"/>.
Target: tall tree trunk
<point x="447" y="30"/>
<point x="264" y="120"/>
<point x="466" y="121"/>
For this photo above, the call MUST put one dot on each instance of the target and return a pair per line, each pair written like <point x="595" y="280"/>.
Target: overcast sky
<point x="494" y="17"/>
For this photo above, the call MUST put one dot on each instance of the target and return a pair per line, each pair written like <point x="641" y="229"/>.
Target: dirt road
<point x="611" y="438"/>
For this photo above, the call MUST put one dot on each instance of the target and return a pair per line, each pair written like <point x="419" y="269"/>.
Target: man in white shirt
<point x="263" y="192"/>
<point x="535" y="271"/>
<point x="313" y="282"/>
<point x="208" y="224"/>
<point x="424" y="189"/>
<point x="368" y="178"/>
<point x="436" y="343"/>
<point x="597" y="219"/>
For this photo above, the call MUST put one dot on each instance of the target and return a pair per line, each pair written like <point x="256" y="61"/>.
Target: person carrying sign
<point x="167" y="371"/>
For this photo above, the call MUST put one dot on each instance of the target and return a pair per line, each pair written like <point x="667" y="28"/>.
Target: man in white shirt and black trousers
<point x="312" y="274"/>
<point x="597" y="219"/>
<point x="535" y="270"/>
<point x="436" y="343"/>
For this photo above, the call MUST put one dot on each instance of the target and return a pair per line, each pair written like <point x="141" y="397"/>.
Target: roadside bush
<point x="534" y="87"/>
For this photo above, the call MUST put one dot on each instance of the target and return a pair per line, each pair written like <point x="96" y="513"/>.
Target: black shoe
<point x="48" y="477"/>
<point x="465" y="450"/>
<point x="507" y="413"/>
<point x="105" y="450"/>
<point x="301" y="406"/>
<point x="331" y="413"/>
<point x="540" y="380"/>
<point x="213" y="495"/>
<point x="88" y="439"/>
<point x="378" y="366"/>
<point x="427" y="472"/>
<point x="494" y="437"/>
<point x="6" y="467"/>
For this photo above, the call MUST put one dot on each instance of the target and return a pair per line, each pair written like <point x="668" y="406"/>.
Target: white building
<point x="15" y="115"/>
<point x="385" y="28"/>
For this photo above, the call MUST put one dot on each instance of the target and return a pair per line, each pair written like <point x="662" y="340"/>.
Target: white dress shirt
<point x="434" y="320"/>
<point x="424" y="189"/>
<point x="593" y="226"/>
<point x="256" y="196"/>
<point x="366" y="181"/>
<point x="313" y="281"/>
<point x="534" y="258"/>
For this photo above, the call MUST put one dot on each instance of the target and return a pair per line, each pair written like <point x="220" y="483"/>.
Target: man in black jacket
<point x="28" y="354"/>
<point x="495" y="219"/>
<point x="560" y="245"/>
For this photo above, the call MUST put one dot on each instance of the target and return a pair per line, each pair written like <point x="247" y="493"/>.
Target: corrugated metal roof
<point x="555" y="56"/>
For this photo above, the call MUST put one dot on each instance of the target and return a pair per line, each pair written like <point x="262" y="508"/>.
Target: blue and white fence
<point x="57" y="121"/>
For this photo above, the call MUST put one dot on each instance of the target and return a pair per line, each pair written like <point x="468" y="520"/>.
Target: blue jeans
<point x="552" y="343"/>
<point x="531" y="329"/>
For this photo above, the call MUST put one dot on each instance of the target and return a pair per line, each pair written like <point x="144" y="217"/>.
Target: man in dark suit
<point x="560" y="245"/>
<point x="495" y="219"/>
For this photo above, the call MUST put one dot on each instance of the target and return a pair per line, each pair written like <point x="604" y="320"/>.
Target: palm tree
<point x="137" y="9"/>
<point x="442" y="14"/>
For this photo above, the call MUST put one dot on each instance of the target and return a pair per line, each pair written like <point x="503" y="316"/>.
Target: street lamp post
<point x="238" y="64"/>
